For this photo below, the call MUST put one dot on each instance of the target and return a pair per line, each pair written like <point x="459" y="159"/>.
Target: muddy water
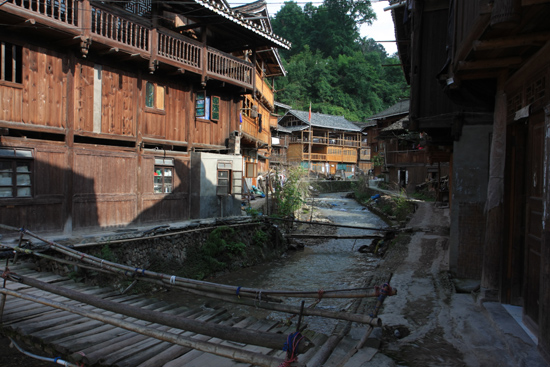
<point x="334" y="264"/>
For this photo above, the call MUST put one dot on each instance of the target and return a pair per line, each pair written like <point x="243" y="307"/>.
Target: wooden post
<point x="492" y="252"/>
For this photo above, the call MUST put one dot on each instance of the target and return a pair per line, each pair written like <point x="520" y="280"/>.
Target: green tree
<point x="330" y="65"/>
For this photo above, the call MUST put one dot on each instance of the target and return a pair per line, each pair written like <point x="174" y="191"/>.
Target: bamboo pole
<point x="314" y="236"/>
<point x="203" y="346"/>
<point x="387" y="291"/>
<point x="331" y="224"/>
<point x="269" y="340"/>
<point x="192" y="283"/>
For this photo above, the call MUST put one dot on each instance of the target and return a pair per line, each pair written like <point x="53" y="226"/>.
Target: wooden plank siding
<point x="11" y="102"/>
<point x="118" y="102"/>
<point x="85" y="178"/>
<point x="84" y="96"/>
<point x="44" y="88"/>
<point x="105" y="187"/>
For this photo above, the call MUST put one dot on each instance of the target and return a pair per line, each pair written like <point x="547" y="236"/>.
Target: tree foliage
<point x="330" y="65"/>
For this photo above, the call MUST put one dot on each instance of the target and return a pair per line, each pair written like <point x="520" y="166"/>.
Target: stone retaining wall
<point x="170" y="252"/>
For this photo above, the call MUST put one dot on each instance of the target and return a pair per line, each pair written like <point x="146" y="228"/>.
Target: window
<point x="207" y="107"/>
<point x="163" y="176"/>
<point x="250" y="169"/>
<point x="15" y="173"/>
<point x="11" y="65"/>
<point x="229" y="182"/>
<point x="224" y="178"/>
<point x="154" y="96"/>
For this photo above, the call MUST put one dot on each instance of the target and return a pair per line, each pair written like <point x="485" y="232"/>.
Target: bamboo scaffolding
<point x="269" y="340"/>
<point x="332" y="224"/>
<point x="203" y="346"/>
<point x="258" y="302"/>
<point x="313" y="236"/>
<point x="368" y="331"/>
<point x="196" y="284"/>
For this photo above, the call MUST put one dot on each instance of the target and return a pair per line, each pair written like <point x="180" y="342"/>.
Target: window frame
<point x="18" y="155"/>
<point x="207" y="107"/>
<point x="11" y="63"/>
<point x="156" y="101"/>
<point x="224" y="167"/>
<point x="162" y="165"/>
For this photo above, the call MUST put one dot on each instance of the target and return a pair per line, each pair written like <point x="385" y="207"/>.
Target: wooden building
<point x="325" y="144"/>
<point x="478" y="73"/>
<point x="258" y="109"/>
<point x="117" y="114"/>
<point x="406" y="159"/>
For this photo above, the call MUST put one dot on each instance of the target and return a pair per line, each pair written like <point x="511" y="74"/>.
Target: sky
<point x="381" y="29"/>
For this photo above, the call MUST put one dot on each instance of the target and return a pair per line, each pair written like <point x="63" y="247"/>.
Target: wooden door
<point x="534" y="215"/>
<point x="513" y="274"/>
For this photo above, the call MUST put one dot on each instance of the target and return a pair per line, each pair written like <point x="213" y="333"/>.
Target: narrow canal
<point x="330" y="264"/>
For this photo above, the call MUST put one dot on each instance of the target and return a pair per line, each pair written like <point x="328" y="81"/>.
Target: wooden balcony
<point x="314" y="157"/>
<point x="251" y="128"/>
<point x="127" y="33"/>
<point x="264" y="89"/>
<point x="327" y="141"/>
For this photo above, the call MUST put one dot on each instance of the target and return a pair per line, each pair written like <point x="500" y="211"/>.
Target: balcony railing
<point x="133" y="35"/>
<point x="251" y="128"/>
<point x="264" y="88"/>
<point x="327" y="141"/>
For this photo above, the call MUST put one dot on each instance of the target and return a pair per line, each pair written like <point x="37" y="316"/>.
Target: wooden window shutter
<point x="215" y="108"/>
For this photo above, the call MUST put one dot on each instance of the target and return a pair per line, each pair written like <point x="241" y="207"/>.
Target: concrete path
<point x="432" y="324"/>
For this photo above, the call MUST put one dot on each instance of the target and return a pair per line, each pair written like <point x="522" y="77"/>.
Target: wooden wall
<point x="89" y="175"/>
<point x="431" y="100"/>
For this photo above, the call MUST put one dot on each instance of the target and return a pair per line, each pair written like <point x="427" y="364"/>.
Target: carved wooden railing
<point x="132" y="34"/>
<point x="119" y="30"/>
<point x="179" y="50"/>
<point x="228" y="67"/>
<point x="62" y="11"/>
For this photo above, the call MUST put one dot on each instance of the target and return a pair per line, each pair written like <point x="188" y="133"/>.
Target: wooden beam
<point x="513" y="41"/>
<point x="465" y="47"/>
<point x="489" y="64"/>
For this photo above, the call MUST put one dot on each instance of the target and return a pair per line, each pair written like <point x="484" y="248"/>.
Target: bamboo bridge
<point x="97" y="326"/>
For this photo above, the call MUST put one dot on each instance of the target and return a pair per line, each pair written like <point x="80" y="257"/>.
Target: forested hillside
<point x="331" y="65"/>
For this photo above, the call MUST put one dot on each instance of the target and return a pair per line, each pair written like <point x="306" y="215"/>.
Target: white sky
<point x="381" y="29"/>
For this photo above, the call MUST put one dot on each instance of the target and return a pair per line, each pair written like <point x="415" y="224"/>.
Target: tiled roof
<point x="398" y="125"/>
<point x="400" y="108"/>
<point x="283" y="129"/>
<point x="321" y="120"/>
<point x="241" y="20"/>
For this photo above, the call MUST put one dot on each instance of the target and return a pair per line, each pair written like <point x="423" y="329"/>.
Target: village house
<point x="325" y="144"/>
<point x="406" y="160"/>
<point x="120" y="114"/>
<point x="478" y="74"/>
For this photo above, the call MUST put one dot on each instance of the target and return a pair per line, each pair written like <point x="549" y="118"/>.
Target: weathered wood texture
<point x="44" y="88"/>
<point x="79" y="339"/>
<point x="78" y="179"/>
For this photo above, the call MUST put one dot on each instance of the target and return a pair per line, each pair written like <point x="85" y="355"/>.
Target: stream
<point x="331" y="264"/>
